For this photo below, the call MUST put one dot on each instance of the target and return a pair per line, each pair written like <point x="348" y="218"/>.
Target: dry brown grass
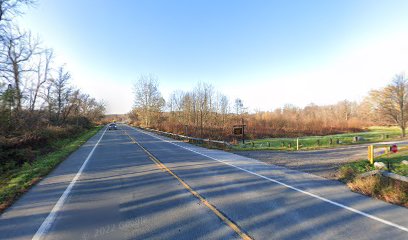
<point x="395" y="192"/>
<point x="346" y="174"/>
<point x="383" y="188"/>
<point x="368" y="186"/>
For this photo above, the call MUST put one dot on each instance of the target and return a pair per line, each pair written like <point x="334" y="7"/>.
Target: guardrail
<point x="385" y="174"/>
<point x="205" y="141"/>
<point x="377" y="150"/>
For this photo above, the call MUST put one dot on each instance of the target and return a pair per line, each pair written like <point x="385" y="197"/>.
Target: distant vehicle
<point x="112" y="126"/>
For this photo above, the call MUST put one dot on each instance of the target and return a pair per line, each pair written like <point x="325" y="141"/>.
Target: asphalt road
<point x="114" y="190"/>
<point x="324" y="163"/>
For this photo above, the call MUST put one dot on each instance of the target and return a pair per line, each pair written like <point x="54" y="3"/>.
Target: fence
<point x="377" y="150"/>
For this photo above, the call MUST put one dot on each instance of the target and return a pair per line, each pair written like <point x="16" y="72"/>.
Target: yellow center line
<point x="219" y="214"/>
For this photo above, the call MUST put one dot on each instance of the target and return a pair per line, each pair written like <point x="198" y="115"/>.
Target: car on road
<point x="112" y="126"/>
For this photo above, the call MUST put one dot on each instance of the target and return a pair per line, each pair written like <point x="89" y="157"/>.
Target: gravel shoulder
<point x="323" y="163"/>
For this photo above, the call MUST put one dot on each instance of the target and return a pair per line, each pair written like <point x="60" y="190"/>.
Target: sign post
<point x="239" y="130"/>
<point x="394" y="148"/>
<point x="384" y="150"/>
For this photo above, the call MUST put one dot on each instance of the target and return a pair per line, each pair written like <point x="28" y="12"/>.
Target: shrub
<point x="17" y="150"/>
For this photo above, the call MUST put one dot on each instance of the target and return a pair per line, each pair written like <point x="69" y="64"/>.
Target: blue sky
<point x="269" y="53"/>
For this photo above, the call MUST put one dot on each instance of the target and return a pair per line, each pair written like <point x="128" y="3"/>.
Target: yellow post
<point x="371" y="154"/>
<point x="297" y="144"/>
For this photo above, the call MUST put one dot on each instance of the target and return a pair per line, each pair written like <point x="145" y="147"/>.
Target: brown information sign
<point x="238" y="130"/>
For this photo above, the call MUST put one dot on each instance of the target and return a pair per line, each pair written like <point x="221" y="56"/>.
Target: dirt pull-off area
<point x="320" y="162"/>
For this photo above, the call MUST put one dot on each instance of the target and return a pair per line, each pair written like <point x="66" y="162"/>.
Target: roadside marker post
<point x="371" y="154"/>
<point x="387" y="149"/>
<point x="297" y="144"/>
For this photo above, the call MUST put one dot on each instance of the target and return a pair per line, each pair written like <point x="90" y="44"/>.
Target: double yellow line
<point x="219" y="214"/>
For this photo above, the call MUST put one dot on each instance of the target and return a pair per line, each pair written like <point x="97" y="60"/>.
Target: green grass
<point x="19" y="180"/>
<point x="379" y="187"/>
<point x="350" y="170"/>
<point x="373" y="134"/>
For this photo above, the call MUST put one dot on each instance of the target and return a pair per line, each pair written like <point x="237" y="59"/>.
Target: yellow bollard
<point x="371" y="154"/>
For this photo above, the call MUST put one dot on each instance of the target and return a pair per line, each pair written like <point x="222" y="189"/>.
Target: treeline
<point x="33" y="91"/>
<point x="205" y="112"/>
<point x="38" y="103"/>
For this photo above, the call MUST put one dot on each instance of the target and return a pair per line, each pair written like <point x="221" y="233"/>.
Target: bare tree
<point x="391" y="102"/>
<point x="12" y="8"/>
<point x="8" y="10"/>
<point x="89" y="108"/>
<point x="224" y="108"/>
<point x="19" y="50"/>
<point x="148" y="100"/>
<point x="204" y="101"/>
<point x="238" y="106"/>
<point x="42" y="73"/>
<point x="61" y="92"/>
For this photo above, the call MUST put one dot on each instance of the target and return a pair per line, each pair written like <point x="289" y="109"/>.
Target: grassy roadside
<point x="15" y="182"/>
<point x="372" y="135"/>
<point x="379" y="187"/>
<point x="352" y="169"/>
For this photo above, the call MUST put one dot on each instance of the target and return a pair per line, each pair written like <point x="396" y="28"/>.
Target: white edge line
<point x="289" y="186"/>
<point x="45" y="226"/>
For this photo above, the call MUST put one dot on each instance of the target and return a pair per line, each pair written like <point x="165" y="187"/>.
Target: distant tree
<point x="238" y="106"/>
<point x="60" y="93"/>
<point x="203" y="94"/>
<point x="42" y="75"/>
<point x="391" y="102"/>
<point x="223" y="108"/>
<point x="175" y="106"/>
<point x="148" y="101"/>
<point x="93" y="109"/>
<point x="133" y="116"/>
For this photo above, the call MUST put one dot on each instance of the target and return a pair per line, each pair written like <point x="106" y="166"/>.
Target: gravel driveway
<point x="319" y="162"/>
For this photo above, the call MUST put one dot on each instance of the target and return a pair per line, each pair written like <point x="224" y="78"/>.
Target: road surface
<point x="323" y="162"/>
<point x="130" y="184"/>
